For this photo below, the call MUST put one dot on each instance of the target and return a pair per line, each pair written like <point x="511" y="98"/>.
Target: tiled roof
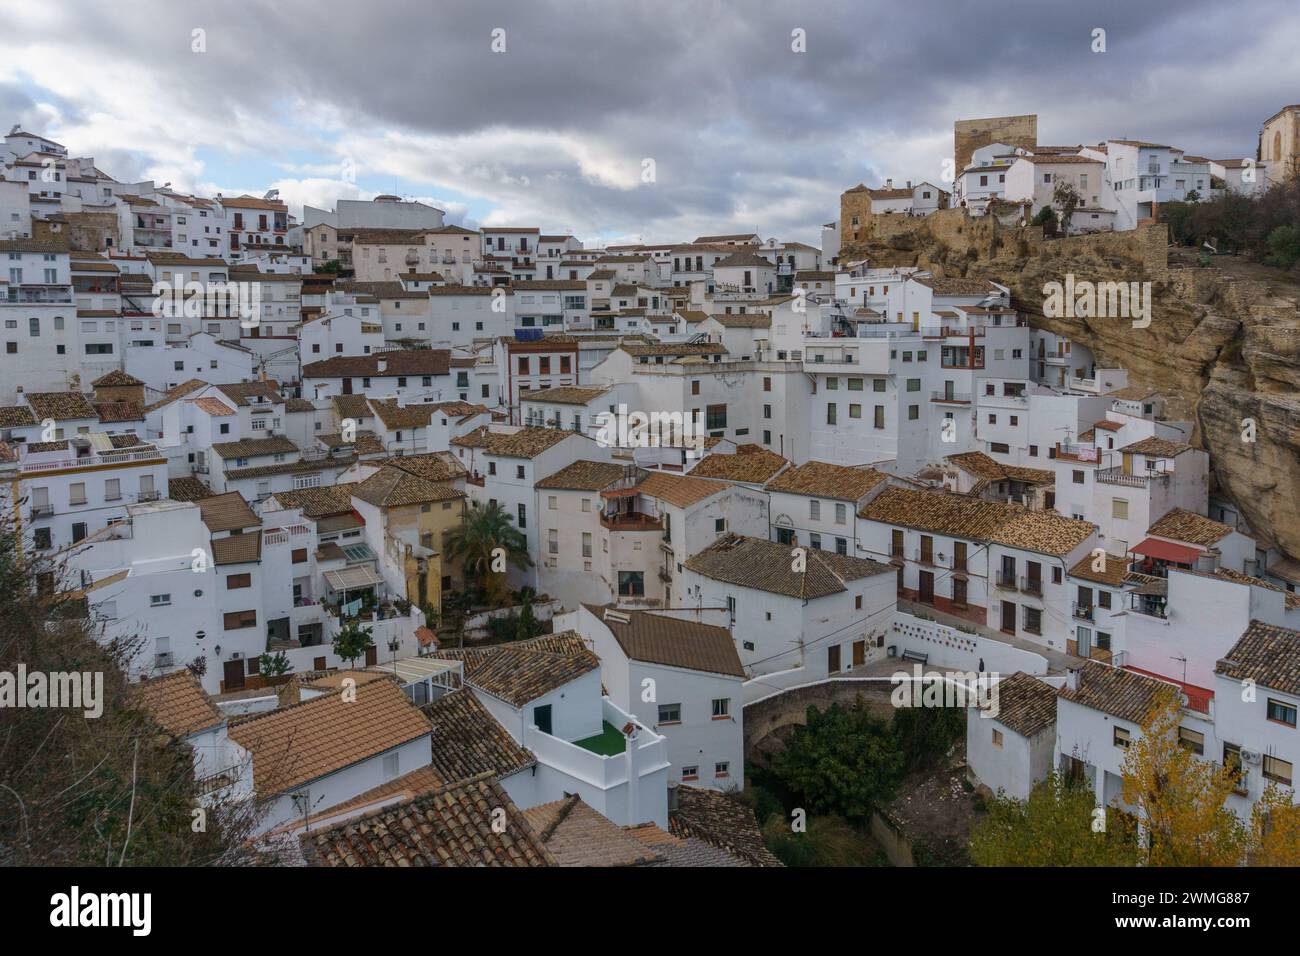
<point x="253" y="447"/>
<point x="1043" y="531"/>
<point x="213" y="406"/>
<point x="767" y="566"/>
<point x="178" y="392"/>
<point x="117" y="377"/>
<point x="1112" y="576"/>
<point x="1266" y="654"/>
<point x="523" y="671"/>
<point x="744" y="257"/>
<point x="16" y="416"/>
<point x="679" y="490"/>
<point x="228" y="512"/>
<point x="957" y="285"/>
<point x="60" y="406"/>
<point x="564" y="395"/>
<point x="395" y="416"/>
<point x="955" y="515"/>
<point x="527" y="442"/>
<point x="116" y="412"/>
<point x="1024" y="703"/>
<point x="187" y="488"/>
<point x="1157" y="447"/>
<point x="579" y="836"/>
<point x="303" y="742"/>
<point x="1183" y="525"/>
<point x="752" y="464"/>
<point x="659" y="639"/>
<point x="398" y="362"/>
<point x="978" y="463"/>
<point x="1118" y="692"/>
<point x="351" y="406"/>
<point x="237" y="549"/>
<point x="393" y="488"/>
<point x="433" y="466"/>
<point x="675" y="851"/>
<point x="177" y="703"/>
<point x="720" y="820"/>
<point x="583" y="476"/>
<point x="241" y="392"/>
<point x="824" y="480"/>
<point x="451" y="826"/>
<point x="747" y="320"/>
<point x="679" y="348"/>
<point x="468" y="740"/>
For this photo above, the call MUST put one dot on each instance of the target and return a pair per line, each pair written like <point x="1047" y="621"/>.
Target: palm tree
<point x="475" y="543"/>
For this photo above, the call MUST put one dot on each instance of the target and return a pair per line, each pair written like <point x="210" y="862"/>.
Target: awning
<point x="353" y="578"/>
<point x="1167" y="551"/>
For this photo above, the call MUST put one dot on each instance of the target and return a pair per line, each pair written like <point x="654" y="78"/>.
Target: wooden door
<point x="833" y="659"/>
<point x="927" y="587"/>
<point x="233" y="672"/>
<point x="859" y="653"/>
<point x="1008" y="617"/>
<point x="959" y="592"/>
<point x="959" y="555"/>
<point x="372" y="655"/>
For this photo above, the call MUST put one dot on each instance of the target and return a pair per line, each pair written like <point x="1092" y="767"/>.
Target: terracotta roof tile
<point x="659" y="639"/>
<point x="1025" y="704"/>
<point x="583" y="476"/>
<point x="1183" y="525"/>
<point x="825" y="480"/>
<point x="1266" y="654"/>
<point x="1118" y="692"/>
<point x="468" y="740"/>
<point x="767" y="566"/>
<point x="177" y="703"/>
<point x="523" y="671"/>
<point x="720" y="820"/>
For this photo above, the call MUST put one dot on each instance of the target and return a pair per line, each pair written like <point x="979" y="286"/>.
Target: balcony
<point x="1032" y="586"/>
<point x="631" y="521"/>
<point x="1117" y="476"/>
<point x="951" y="398"/>
<point x="1083" y="612"/>
<point x="1005" y="582"/>
<point x="41" y="511"/>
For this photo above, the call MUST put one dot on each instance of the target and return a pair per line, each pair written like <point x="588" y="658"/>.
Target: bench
<point x="916" y="656"/>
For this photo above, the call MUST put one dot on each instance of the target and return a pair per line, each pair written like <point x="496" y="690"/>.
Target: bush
<point x="829" y="841"/>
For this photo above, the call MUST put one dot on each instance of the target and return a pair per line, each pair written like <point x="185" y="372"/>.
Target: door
<point x="372" y="655"/>
<point x="959" y="555"/>
<point x="859" y="653"/>
<point x="1008" y="617"/>
<point x="542" y="718"/>
<point x="896" y="543"/>
<point x="234" y="675"/>
<point x="1084" y="648"/>
<point x="347" y="386"/>
<point x="926" y="595"/>
<point x="959" y="592"/>
<point x="927" y="549"/>
<point x="1128" y="464"/>
<point x="833" y="659"/>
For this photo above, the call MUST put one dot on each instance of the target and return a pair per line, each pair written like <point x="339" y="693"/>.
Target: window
<point x="630" y="583"/>
<point x="879" y="417"/>
<point x="913" y="412"/>
<point x="299" y="555"/>
<point x="1077" y="477"/>
<point x="1122" y="738"/>
<point x="553" y="541"/>
<point x="814" y="510"/>
<point x="550" y="502"/>
<point x="1277" y="770"/>
<point x="690" y="773"/>
<point x="160" y="600"/>
<point x="1119" y="508"/>
<point x="913" y="384"/>
<point x="830" y="414"/>
<point x="670" y="714"/>
<point x="1056" y="575"/>
<point x="722" y="769"/>
<point x="236" y="581"/>
<point x="841" y="513"/>
<point x="112" y="489"/>
<point x="997" y="738"/>
<point x="1193" y="740"/>
<point x="815" y="541"/>
<point x="1103" y="599"/>
<point x="519" y="472"/>
<point x="1033" y="620"/>
<point x="721" y="707"/>
<point x="715" y="417"/>
<point x="1281" y="712"/>
<point x="237" y="620"/>
<point x="523" y="516"/>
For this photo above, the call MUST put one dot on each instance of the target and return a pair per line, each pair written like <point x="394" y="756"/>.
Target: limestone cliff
<point x="1224" y="341"/>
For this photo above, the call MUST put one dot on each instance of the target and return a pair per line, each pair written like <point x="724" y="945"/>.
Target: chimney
<point x="672" y="797"/>
<point x="381" y="364"/>
<point x="909" y="184"/>
<point x="889" y="184"/>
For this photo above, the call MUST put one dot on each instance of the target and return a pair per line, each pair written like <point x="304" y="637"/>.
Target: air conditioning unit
<point x="1250" y="756"/>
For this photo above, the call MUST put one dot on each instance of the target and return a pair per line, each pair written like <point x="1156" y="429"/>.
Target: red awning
<point x="1167" y="551"/>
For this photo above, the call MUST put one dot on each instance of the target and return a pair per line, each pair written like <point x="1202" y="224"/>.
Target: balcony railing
<point x="631" y="522"/>
<point x="1083" y="612"/>
<point x="1031" y="586"/>
<point x="1006" y="582"/>
<point x="957" y="398"/>
<point x="1117" y="476"/>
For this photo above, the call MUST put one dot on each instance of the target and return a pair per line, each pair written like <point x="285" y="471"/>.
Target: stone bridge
<point x="766" y="719"/>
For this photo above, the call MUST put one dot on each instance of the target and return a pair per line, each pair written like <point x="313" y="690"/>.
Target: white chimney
<point x="889" y="184"/>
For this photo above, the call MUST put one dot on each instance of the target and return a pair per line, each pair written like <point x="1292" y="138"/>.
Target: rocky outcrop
<point x="1223" y="342"/>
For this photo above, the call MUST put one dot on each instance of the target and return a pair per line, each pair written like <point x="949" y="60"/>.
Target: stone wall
<point x="969" y="135"/>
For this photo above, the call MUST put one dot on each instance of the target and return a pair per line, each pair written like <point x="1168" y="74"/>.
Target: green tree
<point x="1284" y="247"/>
<point x="274" y="665"/>
<point x="1067" y="199"/>
<point x="924" y="734"/>
<point x="529" y="626"/>
<point x="1057" y="826"/>
<point x="843" y="761"/>
<point x="352" y="641"/>
<point x="486" y="542"/>
<point x="1046" y="217"/>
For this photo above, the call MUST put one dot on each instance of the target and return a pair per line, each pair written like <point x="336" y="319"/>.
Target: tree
<point x="1275" y="829"/>
<point x="274" y="665"/>
<point x="486" y="542"/>
<point x="924" y="734"/>
<point x="1284" y="247"/>
<point x="1057" y="826"/>
<point x="529" y="626"/>
<point x="1066" y="198"/>
<point x="1180" y="801"/>
<point x="352" y="641"/>
<point x="111" y="790"/>
<point x="844" y="760"/>
<point x="1046" y="217"/>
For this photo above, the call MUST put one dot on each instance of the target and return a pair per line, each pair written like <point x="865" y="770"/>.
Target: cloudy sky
<point x="329" y="99"/>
